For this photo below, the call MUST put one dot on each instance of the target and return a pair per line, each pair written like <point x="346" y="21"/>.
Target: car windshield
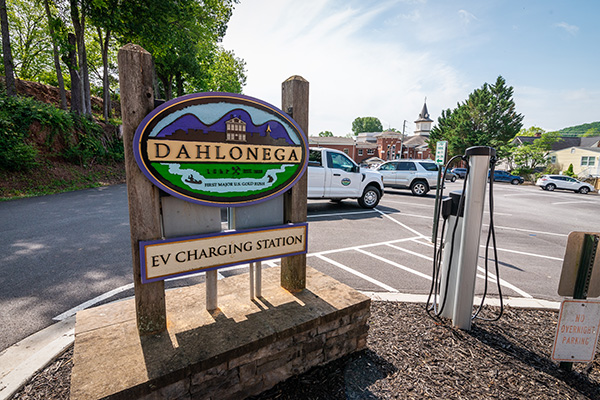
<point x="429" y="166"/>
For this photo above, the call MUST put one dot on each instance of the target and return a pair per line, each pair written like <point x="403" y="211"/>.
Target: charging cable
<point x="437" y="253"/>
<point x="437" y="256"/>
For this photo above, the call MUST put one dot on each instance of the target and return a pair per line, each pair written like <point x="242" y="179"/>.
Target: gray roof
<point x="367" y="137"/>
<point x="565" y="142"/>
<point x="322" y="140"/>
<point x="424" y="115"/>
<point x="416" y="141"/>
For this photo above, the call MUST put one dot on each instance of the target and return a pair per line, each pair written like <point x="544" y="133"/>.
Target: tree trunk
<point x="83" y="66"/>
<point x="79" y="26"/>
<point x="76" y="90"/>
<point x="166" y="81"/>
<point x="179" y="84"/>
<point x="105" y="82"/>
<point x="59" y="76"/>
<point x="9" y="73"/>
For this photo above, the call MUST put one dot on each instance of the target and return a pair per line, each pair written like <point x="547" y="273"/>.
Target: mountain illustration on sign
<point x="235" y="126"/>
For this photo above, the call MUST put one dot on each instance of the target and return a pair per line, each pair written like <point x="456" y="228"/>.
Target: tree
<point x="531" y="131"/>
<point x="9" y="73"/>
<point x="366" y="124"/>
<point x="325" y="134"/>
<point x="487" y="118"/>
<point x="78" y="20"/>
<point x="592" y="132"/>
<point x="524" y="158"/>
<point x="52" y="24"/>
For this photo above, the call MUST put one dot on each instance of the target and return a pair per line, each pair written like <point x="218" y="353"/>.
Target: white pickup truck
<point x="333" y="175"/>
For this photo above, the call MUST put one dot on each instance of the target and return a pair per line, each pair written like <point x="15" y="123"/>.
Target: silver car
<point x="417" y="175"/>
<point x="551" y="182"/>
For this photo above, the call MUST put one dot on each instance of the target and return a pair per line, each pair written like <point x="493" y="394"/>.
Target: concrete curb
<point x="516" y="302"/>
<point x="24" y="359"/>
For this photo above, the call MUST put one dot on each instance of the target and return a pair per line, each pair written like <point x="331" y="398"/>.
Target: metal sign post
<point x="580" y="278"/>
<point x="440" y="160"/>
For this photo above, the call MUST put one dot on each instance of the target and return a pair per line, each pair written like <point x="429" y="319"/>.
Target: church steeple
<point x="424" y="122"/>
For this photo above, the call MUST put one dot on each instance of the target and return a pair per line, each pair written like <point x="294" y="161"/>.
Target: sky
<point x="385" y="58"/>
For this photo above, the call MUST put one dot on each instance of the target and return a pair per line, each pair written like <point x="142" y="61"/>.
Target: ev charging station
<point x="464" y="210"/>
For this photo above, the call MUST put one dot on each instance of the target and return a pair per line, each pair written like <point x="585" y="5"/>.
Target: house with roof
<point x="585" y="160"/>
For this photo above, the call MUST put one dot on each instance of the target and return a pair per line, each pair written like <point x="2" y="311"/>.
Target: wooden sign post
<point x="294" y="101"/>
<point x="137" y="100"/>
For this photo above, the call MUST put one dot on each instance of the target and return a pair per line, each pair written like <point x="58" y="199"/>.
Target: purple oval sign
<point x="221" y="149"/>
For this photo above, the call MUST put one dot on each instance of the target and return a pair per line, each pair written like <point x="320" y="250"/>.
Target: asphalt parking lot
<point x="389" y="248"/>
<point x="67" y="252"/>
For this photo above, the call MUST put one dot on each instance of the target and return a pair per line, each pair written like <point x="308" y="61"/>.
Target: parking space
<point x="390" y="249"/>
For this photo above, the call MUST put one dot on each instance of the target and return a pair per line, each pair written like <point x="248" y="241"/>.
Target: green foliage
<point x="82" y="140"/>
<point x="579" y="130"/>
<point x="325" y="134"/>
<point x="531" y="131"/>
<point x="569" y="171"/>
<point x="15" y="153"/>
<point x="30" y="44"/>
<point x="366" y="124"/>
<point x="487" y="118"/>
<point x="592" y="132"/>
<point x="527" y="157"/>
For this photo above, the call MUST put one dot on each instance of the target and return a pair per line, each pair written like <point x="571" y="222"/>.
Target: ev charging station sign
<point x="577" y="331"/>
<point x="440" y="152"/>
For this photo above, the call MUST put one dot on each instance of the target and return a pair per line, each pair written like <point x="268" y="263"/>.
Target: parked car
<point x="417" y="175"/>
<point x="460" y="172"/>
<point x="551" y="182"/>
<point x="505" y="176"/>
<point x="450" y="176"/>
<point x="333" y="175"/>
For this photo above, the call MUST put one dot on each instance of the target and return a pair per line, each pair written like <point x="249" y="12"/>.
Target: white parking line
<point x="500" y="249"/>
<point x="400" y="223"/>
<point x="494" y="279"/>
<point x="92" y="302"/>
<point x="385" y="260"/>
<point x="414" y="253"/>
<point x="359" y="274"/>
<point x="340" y="214"/>
<point x="527" y="230"/>
<point x="316" y="254"/>
<point x="574" y="202"/>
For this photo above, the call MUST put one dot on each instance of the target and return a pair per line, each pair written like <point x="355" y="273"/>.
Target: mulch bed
<point x="412" y="356"/>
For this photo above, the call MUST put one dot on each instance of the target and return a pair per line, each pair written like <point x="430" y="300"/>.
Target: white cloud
<point x="353" y="72"/>
<point x="466" y="16"/>
<point x="570" y="29"/>
<point x="553" y="109"/>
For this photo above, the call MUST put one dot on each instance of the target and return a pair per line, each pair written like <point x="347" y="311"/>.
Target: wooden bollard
<point x="137" y="101"/>
<point x="294" y="100"/>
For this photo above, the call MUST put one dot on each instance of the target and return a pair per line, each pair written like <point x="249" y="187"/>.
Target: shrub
<point x="82" y="140"/>
<point x="569" y="171"/>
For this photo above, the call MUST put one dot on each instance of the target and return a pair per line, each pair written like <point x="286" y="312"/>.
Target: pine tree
<point x="487" y="118"/>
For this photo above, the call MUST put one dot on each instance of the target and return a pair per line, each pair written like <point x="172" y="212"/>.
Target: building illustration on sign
<point x="221" y="153"/>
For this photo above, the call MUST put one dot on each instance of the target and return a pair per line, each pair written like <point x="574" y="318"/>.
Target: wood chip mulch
<point x="412" y="356"/>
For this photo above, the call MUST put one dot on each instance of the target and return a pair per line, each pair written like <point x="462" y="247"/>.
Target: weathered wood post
<point x="294" y="101"/>
<point x="137" y="100"/>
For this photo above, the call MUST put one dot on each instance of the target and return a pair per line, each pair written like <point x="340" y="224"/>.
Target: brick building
<point x="386" y="145"/>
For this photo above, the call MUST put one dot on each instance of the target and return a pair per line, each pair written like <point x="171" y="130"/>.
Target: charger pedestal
<point x="459" y="271"/>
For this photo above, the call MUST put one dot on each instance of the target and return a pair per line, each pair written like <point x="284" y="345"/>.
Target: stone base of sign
<point x="243" y="348"/>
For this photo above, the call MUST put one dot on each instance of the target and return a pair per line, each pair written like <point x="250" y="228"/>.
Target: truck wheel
<point x="419" y="188"/>
<point x="370" y="197"/>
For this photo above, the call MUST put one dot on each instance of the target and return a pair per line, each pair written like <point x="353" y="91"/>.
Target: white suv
<point x="417" y="175"/>
<point x="551" y="182"/>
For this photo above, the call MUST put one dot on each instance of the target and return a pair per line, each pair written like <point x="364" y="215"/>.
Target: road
<point x="65" y="252"/>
